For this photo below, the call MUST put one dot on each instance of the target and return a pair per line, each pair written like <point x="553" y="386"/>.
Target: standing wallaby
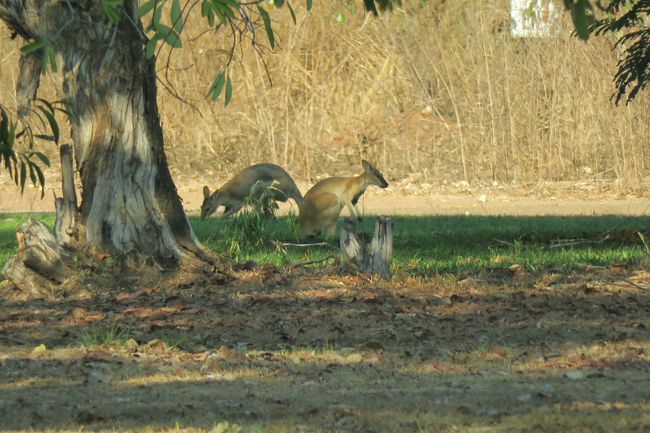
<point x="250" y="182"/>
<point x="323" y="202"/>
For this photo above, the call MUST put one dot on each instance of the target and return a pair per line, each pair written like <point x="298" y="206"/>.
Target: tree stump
<point x="41" y="265"/>
<point x="66" y="207"/>
<point x="372" y="257"/>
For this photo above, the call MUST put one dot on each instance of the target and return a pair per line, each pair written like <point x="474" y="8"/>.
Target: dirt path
<point x="407" y="202"/>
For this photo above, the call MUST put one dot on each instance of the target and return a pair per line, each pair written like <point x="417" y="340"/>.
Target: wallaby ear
<point x="366" y="165"/>
<point x="206" y="192"/>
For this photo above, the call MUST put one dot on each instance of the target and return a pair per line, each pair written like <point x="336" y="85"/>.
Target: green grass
<point x="427" y="245"/>
<point x="442" y="244"/>
<point x="104" y="335"/>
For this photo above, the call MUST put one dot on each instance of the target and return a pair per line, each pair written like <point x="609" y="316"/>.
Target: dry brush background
<point x="436" y="92"/>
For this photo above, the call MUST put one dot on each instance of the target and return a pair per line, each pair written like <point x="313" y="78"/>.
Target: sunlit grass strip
<point x="429" y="245"/>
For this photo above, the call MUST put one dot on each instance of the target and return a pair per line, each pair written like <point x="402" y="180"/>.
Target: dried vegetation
<point x="436" y="91"/>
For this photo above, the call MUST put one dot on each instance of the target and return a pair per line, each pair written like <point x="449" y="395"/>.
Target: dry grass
<point x="438" y="91"/>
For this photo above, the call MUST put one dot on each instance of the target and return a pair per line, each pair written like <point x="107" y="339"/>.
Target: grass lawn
<point x="459" y="341"/>
<point x="428" y="245"/>
<point x="451" y="244"/>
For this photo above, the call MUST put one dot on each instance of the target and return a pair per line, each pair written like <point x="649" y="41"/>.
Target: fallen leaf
<point x="354" y="358"/>
<point x="39" y="349"/>
<point x="157" y="345"/>
<point x="131" y="344"/>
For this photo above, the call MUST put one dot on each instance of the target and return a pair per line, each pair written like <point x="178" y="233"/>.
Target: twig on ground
<point x="638" y="286"/>
<point x="313" y="262"/>
<point x="572" y="242"/>
<point x="317" y="244"/>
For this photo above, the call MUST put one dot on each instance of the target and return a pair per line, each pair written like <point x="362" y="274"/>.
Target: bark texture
<point x="129" y="203"/>
<point x="372" y="257"/>
<point x="40" y="266"/>
<point x="65" y="227"/>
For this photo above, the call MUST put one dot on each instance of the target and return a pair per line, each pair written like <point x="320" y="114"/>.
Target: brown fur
<point x="323" y="202"/>
<point x="232" y="194"/>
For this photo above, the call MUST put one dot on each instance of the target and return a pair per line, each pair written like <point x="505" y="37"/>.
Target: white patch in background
<point x="534" y="19"/>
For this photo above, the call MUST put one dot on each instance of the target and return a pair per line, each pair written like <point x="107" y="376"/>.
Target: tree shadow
<point x="329" y="352"/>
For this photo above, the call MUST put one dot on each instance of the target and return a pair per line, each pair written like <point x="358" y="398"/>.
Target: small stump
<point x="40" y="266"/>
<point x="43" y="262"/>
<point x="372" y="257"/>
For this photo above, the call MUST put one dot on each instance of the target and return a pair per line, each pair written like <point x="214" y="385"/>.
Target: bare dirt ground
<point x="413" y="198"/>
<point x="296" y="352"/>
<point x="309" y="350"/>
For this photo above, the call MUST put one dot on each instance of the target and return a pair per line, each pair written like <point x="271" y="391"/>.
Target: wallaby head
<point x="373" y="176"/>
<point x="210" y="204"/>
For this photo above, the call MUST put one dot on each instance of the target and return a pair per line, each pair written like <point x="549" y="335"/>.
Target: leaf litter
<point x="288" y="351"/>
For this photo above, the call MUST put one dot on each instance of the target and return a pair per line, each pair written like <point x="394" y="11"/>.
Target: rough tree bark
<point x="372" y="257"/>
<point x="129" y="203"/>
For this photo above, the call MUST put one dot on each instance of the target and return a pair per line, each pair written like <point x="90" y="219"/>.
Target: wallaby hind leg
<point x="330" y="231"/>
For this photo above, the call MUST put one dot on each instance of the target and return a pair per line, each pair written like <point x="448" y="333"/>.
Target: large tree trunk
<point x="129" y="204"/>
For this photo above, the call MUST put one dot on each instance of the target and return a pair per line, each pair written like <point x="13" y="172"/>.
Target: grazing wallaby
<point x="250" y="182"/>
<point x="323" y="202"/>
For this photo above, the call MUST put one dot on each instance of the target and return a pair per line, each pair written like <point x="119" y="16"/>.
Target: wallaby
<point x="250" y="182"/>
<point x="323" y="202"/>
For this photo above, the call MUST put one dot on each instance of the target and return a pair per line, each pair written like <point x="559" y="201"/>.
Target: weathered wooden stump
<point x="66" y="206"/>
<point x="39" y="266"/>
<point x="42" y="263"/>
<point x="372" y="257"/>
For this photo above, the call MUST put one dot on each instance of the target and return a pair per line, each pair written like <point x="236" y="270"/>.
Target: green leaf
<point x="53" y="60"/>
<point x="44" y="137"/>
<point x="223" y="9"/>
<point x="23" y="176"/>
<point x="44" y="61"/>
<point x="370" y="6"/>
<point x="267" y="25"/>
<point x="11" y="135"/>
<point x="41" y="179"/>
<point x="32" y="174"/>
<point x="147" y="7"/>
<point x="217" y="86"/>
<point x="169" y="36"/>
<point x="309" y="4"/>
<point x="51" y="55"/>
<point x="582" y="14"/>
<point x="15" y="164"/>
<point x="67" y="109"/>
<point x="157" y="15"/>
<point x="206" y="11"/>
<point x="4" y="125"/>
<point x="278" y="3"/>
<point x="220" y="14"/>
<point x="54" y="126"/>
<point x="150" y="47"/>
<point x="31" y="47"/>
<point x="176" y="16"/>
<point x="292" y="12"/>
<point x="232" y="3"/>
<point x="43" y="158"/>
<point x="228" y="91"/>
<point x="47" y="103"/>
<point x="110" y="9"/>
